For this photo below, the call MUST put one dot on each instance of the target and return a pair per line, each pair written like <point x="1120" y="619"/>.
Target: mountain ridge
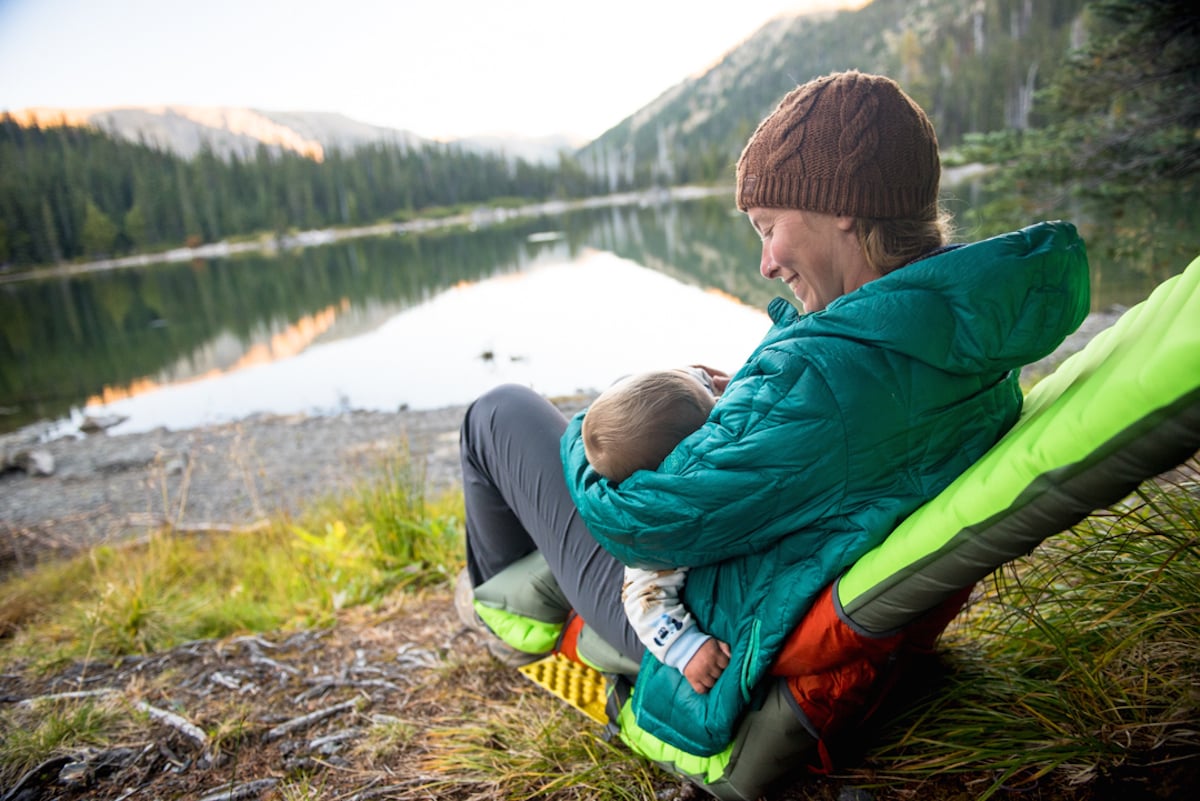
<point x="975" y="69"/>
<point x="239" y="131"/>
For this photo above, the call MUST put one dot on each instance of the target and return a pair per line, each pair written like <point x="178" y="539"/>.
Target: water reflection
<point x="65" y="340"/>
<point x="561" y="302"/>
<point x="560" y="328"/>
<point x="205" y="364"/>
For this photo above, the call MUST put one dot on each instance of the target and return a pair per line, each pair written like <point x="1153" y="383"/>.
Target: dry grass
<point x="321" y="659"/>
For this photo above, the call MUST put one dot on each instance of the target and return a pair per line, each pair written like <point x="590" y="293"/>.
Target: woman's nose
<point x="766" y="266"/>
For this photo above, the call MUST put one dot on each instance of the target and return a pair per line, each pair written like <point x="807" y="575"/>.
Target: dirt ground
<point x="276" y="715"/>
<point x="242" y="717"/>
<point x="297" y="716"/>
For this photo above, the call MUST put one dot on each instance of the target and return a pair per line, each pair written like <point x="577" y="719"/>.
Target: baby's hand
<point x="719" y="378"/>
<point x="706" y="665"/>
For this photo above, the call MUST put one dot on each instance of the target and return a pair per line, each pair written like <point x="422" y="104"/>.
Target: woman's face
<point x="816" y="255"/>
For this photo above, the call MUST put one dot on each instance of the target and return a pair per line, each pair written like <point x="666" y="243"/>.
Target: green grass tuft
<point x="172" y="588"/>
<point x="537" y="748"/>
<point x="1080" y="660"/>
<point x="31" y="736"/>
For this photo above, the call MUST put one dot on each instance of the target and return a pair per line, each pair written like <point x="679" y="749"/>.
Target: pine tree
<point x="1130" y="101"/>
<point x="98" y="234"/>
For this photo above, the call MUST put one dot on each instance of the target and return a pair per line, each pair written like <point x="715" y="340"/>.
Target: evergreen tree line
<point x="70" y="193"/>
<point x="1099" y="94"/>
<point x="1123" y="117"/>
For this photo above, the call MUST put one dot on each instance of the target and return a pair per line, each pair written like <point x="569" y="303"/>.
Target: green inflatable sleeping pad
<point x="1124" y="409"/>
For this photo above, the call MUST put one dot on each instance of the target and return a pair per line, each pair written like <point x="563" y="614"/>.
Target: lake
<point x="564" y="302"/>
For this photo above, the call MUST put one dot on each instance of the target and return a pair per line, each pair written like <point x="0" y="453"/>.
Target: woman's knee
<point x="499" y="401"/>
<point x="504" y="407"/>
<point x="483" y="411"/>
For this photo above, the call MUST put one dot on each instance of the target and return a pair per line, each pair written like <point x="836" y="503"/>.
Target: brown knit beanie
<point x="848" y="143"/>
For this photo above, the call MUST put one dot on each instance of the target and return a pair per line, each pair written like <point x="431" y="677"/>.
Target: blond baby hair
<point x="634" y="424"/>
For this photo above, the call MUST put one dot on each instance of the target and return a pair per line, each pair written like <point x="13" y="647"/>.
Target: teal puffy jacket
<point x="840" y="424"/>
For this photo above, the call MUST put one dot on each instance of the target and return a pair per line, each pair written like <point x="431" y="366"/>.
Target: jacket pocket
<point x="751" y="667"/>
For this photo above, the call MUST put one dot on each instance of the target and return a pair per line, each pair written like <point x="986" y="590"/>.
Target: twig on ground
<point x="158" y="523"/>
<point x="177" y="722"/>
<point x="304" y="721"/>
<point x="68" y="696"/>
<point x="259" y="659"/>
<point x="322" y="685"/>
<point x="252" y="641"/>
<point x="247" y="790"/>
<point x="376" y="792"/>
<point x="184" y="485"/>
<point x="334" y="739"/>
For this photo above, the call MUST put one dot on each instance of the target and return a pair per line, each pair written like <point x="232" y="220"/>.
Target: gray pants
<point x="517" y="502"/>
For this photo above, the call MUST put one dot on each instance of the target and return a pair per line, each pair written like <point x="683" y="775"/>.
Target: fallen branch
<point x="181" y="724"/>
<point x="335" y="739"/>
<point x="38" y="775"/>
<point x="304" y="721"/>
<point x="253" y="641"/>
<point x="177" y="722"/>
<point x="259" y="659"/>
<point x="376" y="792"/>
<point x="320" y="686"/>
<point x="248" y="790"/>
<point x="161" y="524"/>
<point x="221" y="528"/>
<point x="69" y="696"/>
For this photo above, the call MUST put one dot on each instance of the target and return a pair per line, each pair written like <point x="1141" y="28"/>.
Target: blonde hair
<point x="634" y="424"/>
<point x="888" y="244"/>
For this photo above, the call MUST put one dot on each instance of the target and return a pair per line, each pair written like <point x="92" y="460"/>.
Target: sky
<point x="438" y="68"/>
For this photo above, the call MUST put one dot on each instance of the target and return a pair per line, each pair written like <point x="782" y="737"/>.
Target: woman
<point x="900" y="372"/>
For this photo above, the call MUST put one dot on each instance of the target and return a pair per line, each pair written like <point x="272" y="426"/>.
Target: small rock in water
<point x="94" y="424"/>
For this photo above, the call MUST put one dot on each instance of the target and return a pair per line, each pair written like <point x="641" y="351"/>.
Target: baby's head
<point x="637" y="421"/>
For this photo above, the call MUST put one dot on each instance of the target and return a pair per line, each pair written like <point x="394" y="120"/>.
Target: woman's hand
<point x="719" y="378"/>
<point x="706" y="665"/>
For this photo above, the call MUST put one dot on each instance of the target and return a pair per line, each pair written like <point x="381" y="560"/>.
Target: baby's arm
<point x="668" y="630"/>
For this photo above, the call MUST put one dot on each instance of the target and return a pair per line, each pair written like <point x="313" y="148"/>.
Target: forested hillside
<point x="69" y="193"/>
<point x="973" y="66"/>
<point x="1102" y="94"/>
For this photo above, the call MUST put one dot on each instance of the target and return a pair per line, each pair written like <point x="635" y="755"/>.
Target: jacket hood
<point x="997" y="304"/>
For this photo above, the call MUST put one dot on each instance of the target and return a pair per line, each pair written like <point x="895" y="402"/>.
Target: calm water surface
<point x="563" y="303"/>
<point x="561" y="326"/>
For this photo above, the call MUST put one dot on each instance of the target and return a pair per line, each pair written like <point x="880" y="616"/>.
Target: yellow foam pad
<point x="578" y="685"/>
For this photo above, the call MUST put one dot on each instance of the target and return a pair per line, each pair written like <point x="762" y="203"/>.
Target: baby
<point x="631" y="426"/>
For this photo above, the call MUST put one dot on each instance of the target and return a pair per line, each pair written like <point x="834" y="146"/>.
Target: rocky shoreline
<point x="106" y="488"/>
